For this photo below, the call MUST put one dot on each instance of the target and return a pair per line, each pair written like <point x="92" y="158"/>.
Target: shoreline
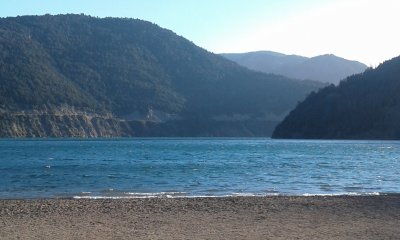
<point x="267" y="217"/>
<point x="167" y="195"/>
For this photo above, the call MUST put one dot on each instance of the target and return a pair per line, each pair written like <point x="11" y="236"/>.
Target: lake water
<point x="186" y="167"/>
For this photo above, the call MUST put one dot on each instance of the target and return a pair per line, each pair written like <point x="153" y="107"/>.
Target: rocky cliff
<point x="53" y="125"/>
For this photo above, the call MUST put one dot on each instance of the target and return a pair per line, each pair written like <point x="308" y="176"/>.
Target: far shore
<point x="281" y="217"/>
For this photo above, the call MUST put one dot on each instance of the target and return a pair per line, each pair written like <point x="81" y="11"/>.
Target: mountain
<point x="76" y="75"/>
<point x="364" y="106"/>
<point x="265" y="61"/>
<point x="325" y="68"/>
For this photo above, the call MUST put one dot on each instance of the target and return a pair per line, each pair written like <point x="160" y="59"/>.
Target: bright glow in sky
<point x="363" y="30"/>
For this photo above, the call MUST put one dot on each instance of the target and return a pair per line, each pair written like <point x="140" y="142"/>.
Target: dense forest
<point x="364" y="106"/>
<point x="130" y="70"/>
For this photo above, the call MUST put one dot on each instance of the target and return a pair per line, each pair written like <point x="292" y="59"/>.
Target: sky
<point x="362" y="30"/>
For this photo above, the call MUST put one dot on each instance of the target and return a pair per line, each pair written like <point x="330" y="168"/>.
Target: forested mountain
<point x="91" y="75"/>
<point x="364" y="106"/>
<point x="325" y="68"/>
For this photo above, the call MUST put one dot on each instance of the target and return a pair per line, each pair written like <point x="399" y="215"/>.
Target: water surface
<point x="43" y="168"/>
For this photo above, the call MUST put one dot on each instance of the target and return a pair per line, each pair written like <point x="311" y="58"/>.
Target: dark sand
<point x="374" y="217"/>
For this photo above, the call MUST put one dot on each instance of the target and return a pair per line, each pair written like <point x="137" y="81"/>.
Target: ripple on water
<point x="198" y="167"/>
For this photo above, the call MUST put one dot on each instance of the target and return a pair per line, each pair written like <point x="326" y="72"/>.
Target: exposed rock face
<point x="87" y="125"/>
<point x="51" y="125"/>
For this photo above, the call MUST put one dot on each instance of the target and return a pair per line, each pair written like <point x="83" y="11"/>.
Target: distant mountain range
<point x="325" y="68"/>
<point x="364" y="106"/>
<point x="75" y="75"/>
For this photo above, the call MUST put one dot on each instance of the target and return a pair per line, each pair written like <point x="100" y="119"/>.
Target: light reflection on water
<point x="188" y="167"/>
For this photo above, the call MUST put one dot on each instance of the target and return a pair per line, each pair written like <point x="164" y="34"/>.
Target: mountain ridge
<point x="326" y="68"/>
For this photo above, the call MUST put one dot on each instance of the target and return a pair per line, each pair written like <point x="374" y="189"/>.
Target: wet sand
<point x="344" y="217"/>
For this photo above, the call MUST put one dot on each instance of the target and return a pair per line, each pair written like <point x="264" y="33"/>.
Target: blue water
<point x="195" y="167"/>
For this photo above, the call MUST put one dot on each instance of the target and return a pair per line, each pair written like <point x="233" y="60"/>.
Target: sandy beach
<point x="342" y="217"/>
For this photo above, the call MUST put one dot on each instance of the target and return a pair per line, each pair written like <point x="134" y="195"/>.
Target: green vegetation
<point x="364" y="106"/>
<point x="126" y="66"/>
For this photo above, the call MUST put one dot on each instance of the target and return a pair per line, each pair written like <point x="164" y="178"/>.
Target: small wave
<point x="133" y="195"/>
<point x="154" y="195"/>
<point x="254" y="194"/>
<point x="101" y="197"/>
<point x="159" y="194"/>
<point x="112" y="176"/>
<point x="146" y="197"/>
<point x="341" y="194"/>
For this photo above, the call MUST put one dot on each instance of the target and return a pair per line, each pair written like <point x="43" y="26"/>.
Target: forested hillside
<point x="129" y="70"/>
<point x="364" y="106"/>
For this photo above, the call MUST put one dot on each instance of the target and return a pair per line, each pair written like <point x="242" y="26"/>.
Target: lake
<point x="195" y="167"/>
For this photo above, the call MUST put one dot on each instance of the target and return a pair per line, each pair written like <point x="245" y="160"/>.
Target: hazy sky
<point x="364" y="30"/>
